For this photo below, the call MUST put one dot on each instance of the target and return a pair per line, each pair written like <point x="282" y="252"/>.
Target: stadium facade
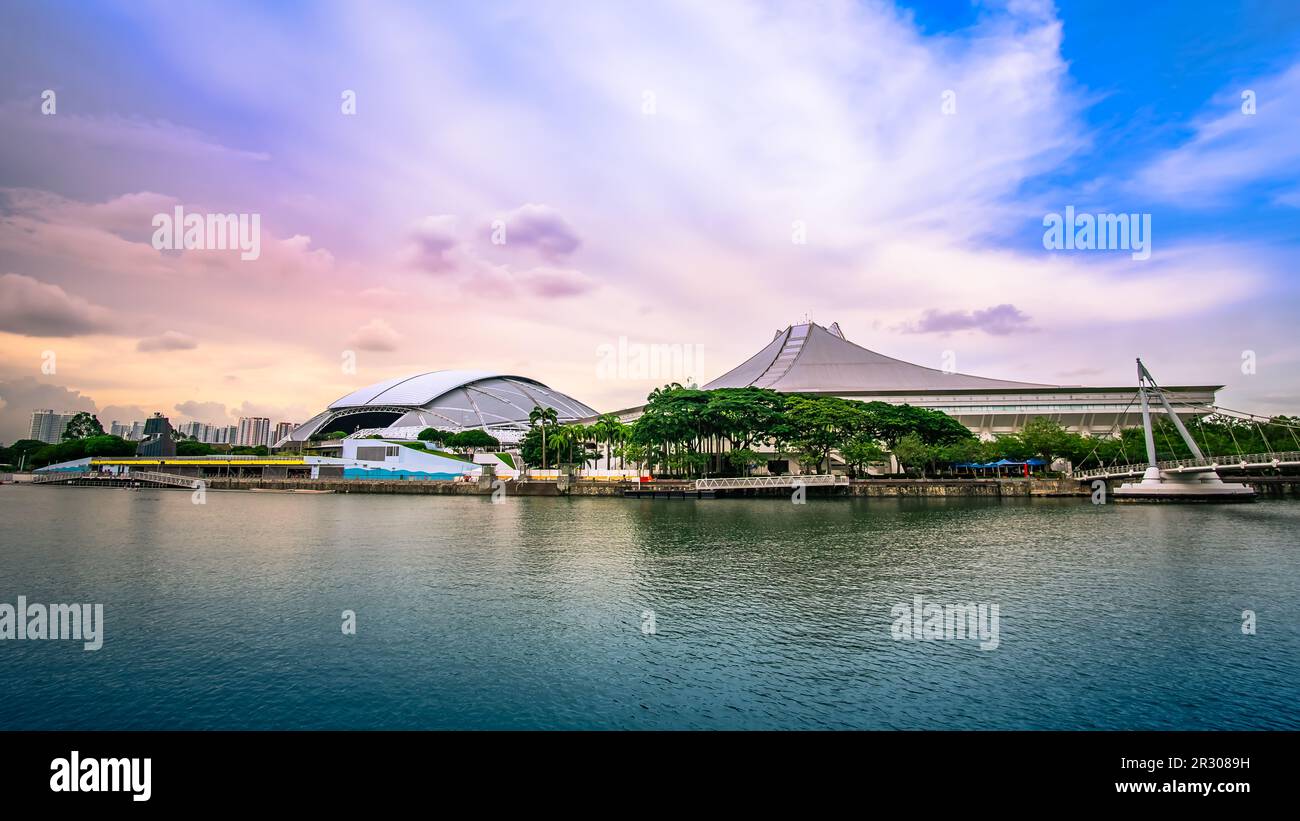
<point x="453" y="400"/>
<point x="812" y="359"/>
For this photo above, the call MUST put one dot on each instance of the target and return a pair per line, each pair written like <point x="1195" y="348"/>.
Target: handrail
<point x="1209" y="462"/>
<point x="739" y="483"/>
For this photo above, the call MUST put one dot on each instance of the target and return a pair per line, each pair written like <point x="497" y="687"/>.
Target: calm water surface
<point x="529" y="614"/>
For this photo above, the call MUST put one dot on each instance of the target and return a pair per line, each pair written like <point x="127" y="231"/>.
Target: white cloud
<point x="1230" y="150"/>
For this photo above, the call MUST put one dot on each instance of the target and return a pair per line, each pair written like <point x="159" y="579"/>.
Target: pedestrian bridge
<point x="135" y="478"/>
<point x="1250" y="461"/>
<point x="747" y="483"/>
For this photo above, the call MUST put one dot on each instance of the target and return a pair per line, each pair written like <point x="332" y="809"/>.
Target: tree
<point x="820" y="424"/>
<point x="543" y="416"/>
<point x="111" y="446"/>
<point x="608" y="428"/>
<point x="912" y="451"/>
<point x="194" y="449"/>
<point x="742" y="459"/>
<point x="473" y="438"/>
<point x="440" y="437"/>
<point x="860" y="451"/>
<point x="82" y="425"/>
<point x="21" y="452"/>
<point x="1047" y="438"/>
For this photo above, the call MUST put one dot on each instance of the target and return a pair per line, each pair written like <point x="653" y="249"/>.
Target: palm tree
<point x="607" y="427"/>
<point x="546" y="416"/>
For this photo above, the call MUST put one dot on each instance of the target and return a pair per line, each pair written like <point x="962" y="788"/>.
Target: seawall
<point x="991" y="488"/>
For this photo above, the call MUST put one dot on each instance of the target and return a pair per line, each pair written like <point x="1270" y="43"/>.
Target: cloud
<point x="1000" y="320"/>
<point x="213" y="413"/>
<point x="541" y="229"/>
<point x="431" y="244"/>
<point x="551" y="283"/>
<point x="25" y="394"/>
<point x="167" y="341"/>
<point x="1231" y="150"/>
<point x="137" y="134"/>
<point x="375" y="335"/>
<point x="121" y="413"/>
<point x="276" y="413"/>
<point x="33" y="308"/>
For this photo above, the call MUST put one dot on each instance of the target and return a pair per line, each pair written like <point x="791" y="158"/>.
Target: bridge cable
<point x="1265" y="438"/>
<point x="1118" y="423"/>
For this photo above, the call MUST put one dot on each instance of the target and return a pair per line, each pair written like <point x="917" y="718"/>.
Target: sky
<point x="524" y="187"/>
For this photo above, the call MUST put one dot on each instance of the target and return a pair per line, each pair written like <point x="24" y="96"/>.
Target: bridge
<point x="141" y="478"/>
<point x="1250" y="461"/>
<point x="1195" y="478"/>
<point x="748" y="483"/>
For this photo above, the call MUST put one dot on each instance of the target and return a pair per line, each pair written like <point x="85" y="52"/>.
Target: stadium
<point x="453" y="400"/>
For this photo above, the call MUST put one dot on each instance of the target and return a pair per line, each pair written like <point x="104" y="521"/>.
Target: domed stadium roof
<point x="448" y="400"/>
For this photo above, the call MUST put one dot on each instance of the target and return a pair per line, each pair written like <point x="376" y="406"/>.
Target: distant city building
<point x="203" y="432"/>
<point x="158" y="439"/>
<point x="254" y="431"/>
<point x="48" y="426"/>
<point x="282" y="429"/>
<point x="131" y="431"/>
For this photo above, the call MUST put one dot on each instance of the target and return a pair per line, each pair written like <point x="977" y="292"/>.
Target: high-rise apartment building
<point x="48" y="426"/>
<point x="282" y="429"/>
<point x="254" y="431"/>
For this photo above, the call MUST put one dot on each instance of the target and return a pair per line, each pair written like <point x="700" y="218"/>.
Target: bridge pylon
<point x="1202" y="484"/>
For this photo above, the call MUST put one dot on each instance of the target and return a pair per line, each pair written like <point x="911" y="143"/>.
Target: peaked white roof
<point x="813" y="359"/>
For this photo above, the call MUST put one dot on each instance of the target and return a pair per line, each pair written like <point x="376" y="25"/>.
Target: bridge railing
<point x="59" y="476"/>
<point x="152" y="476"/>
<point x="741" y="483"/>
<point x="1225" y="462"/>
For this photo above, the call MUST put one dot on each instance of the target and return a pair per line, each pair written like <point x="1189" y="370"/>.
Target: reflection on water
<point x="533" y="613"/>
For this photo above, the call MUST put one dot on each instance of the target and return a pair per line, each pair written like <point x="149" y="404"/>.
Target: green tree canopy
<point x="82" y="425"/>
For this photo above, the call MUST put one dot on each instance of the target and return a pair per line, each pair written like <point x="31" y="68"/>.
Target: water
<point x="529" y="614"/>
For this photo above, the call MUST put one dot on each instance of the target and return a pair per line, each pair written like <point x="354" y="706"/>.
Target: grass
<point x="420" y="446"/>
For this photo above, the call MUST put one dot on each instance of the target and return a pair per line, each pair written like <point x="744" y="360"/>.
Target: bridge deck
<point x="1251" y="461"/>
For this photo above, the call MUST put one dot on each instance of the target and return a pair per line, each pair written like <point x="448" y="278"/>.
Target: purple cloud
<point x="432" y="242"/>
<point x="553" y="283"/>
<point x="541" y="229"/>
<point x="1000" y="320"/>
<point x="34" y="308"/>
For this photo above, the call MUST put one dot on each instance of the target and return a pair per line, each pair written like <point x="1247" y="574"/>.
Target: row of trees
<point x="694" y="432"/>
<point x="551" y="444"/>
<point x="84" y="436"/>
<point x="470" y="440"/>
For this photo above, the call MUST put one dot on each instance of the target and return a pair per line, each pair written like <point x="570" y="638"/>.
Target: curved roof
<point x="451" y="400"/>
<point x="417" y="389"/>
<point x="814" y="359"/>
